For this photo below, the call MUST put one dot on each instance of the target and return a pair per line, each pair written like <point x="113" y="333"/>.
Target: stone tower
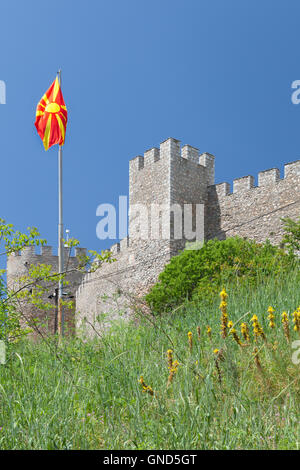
<point x="169" y="182"/>
<point x="17" y="266"/>
<point x="170" y="189"/>
<point x="165" y="187"/>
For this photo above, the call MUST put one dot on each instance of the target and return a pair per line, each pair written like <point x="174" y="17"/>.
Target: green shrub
<point x="87" y="394"/>
<point x="291" y="239"/>
<point x="199" y="274"/>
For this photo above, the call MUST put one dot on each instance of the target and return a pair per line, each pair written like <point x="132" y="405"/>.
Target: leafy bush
<point x="32" y="289"/>
<point x="291" y="239"/>
<point x="88" y="394"/>
<point x="200" y="273"/>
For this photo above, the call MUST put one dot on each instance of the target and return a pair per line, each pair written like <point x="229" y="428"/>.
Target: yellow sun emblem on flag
<point x="52" y="116"/>
<point x="52" y="108"/>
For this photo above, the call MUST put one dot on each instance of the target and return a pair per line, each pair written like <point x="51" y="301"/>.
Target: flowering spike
<point x="257" y="329"/>
<point x="172" y="366"/>
<point x="234" y="333"/>
<point x="208" y="330"/>
<point x="245" y="332"/>
<point x="296" y="319"/>
<point x="285" y="323"/>
<point x="224" y="315"/>
<point x="271" y="317"/>
<point x="146" y="388"/>
<point x="190" y="340"/>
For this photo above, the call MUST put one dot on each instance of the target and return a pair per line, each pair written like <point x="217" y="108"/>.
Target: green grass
<point x="89" y="396"/>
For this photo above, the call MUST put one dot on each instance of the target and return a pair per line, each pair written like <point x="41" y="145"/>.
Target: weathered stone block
<point x="242" y="184"/>
<point x="267" y="177"/>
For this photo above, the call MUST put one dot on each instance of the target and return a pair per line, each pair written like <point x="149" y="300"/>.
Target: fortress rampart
<point x="174" y="176"/>
<point x="18" y="265"/>
<point x="254" y="211"/>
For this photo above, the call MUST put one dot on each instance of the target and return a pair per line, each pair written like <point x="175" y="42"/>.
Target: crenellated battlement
<point x="151" y="156"/>
<point x="167" y="176"/>
<point x="292" y="169"/>
<point x="270" y="177"/>
<point x="190" y="153"/>
<point x="117" y="250"/>
<point x="242" y="184"/>
<point x="119" y="247"/>
<point x="164" y="178"/>
<point x="47" y="251"/>
<point x="267" y="177"/>
<point x="171" y="149"/>
<point x="18" y="265"/>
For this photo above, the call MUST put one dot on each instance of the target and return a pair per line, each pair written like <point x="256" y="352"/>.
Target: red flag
<point x="51" y="117"/>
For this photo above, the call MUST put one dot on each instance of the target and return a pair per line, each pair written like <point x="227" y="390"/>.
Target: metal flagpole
<point x="60" y="237"/>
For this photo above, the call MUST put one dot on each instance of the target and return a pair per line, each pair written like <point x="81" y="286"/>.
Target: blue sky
<point x="214" y="74"/>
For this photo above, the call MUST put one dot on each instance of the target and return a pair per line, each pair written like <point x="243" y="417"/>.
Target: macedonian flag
<point x="51" y="117"/>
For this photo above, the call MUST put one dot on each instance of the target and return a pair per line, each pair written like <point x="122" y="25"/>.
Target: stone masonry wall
<point x="18" y="265"/>
<point x="113" y="291"/>
<point x="166" y="176"/>
<point x="189" y="181"/>
<point x="173" y="175"/>
<point x="254" y="211"/>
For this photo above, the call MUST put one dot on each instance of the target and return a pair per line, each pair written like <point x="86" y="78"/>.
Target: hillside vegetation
<point x="216" y="365"/>
<point x="200" y="274"/>
<point x="200" y="388"/>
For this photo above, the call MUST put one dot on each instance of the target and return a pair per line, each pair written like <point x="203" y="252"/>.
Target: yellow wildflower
<point x="223" y="294"/>
<point x="224" y="315"/>
<point x="146" y="388"/>
<point x="234" y="333"/>
<point x="285" y="323"/>
<point x="172" y="366"/>
<point x="271" y="317"/>
<point x="257" y="329"/>
<point x="219" y="356"/>
<point x="170" y="358"/>
<point x="245" y="331"/>
<point x="190" y="340"/>
<point x="208" y="329"/>
<point x="296" y="320"/>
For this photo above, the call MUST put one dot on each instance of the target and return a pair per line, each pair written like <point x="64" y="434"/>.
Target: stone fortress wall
<point x="18" y="265"/>
<point x="174" y="175"/>
<point x="170" y="176"/>
<point x="254" y="211"/>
